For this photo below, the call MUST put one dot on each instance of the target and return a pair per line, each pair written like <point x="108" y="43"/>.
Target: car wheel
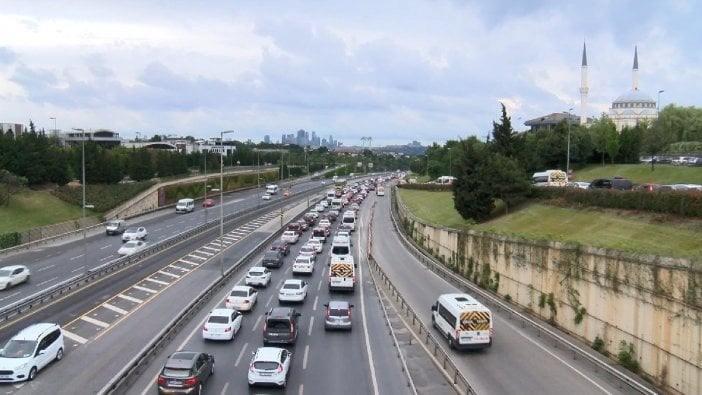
<point x="212" y="369"/>
<point x="433" y="322"/>
<point x="32" y="373"/>
<point x="59" y="354"/>
<point x="285" y="383"/>
<point x="450" y="341"/>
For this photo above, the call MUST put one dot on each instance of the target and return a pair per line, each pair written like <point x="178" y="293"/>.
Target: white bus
<point x="464" y="321"/>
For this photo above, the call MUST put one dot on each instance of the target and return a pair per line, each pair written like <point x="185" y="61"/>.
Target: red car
<point x="208" y="203"/>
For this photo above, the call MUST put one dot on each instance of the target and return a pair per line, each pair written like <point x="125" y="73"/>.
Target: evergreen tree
<point x="507" y="179"/>
<point x="472" y="196"/>
<point x="503" y="136"/>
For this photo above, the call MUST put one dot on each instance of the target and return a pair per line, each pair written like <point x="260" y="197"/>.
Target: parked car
<point x="258" y="276"/>
<point x="242" y="298"/>
<point x="272" y="258"/>
<point x="31" y="350"/>
<point x="579" y="184"/>
<point x="282" y="246"/>
<point x="293" y="290"/>
<point x="115" y="227"/>
<point x="618" y="183"/>
<point x="134" y="234"/>
<point x="280" y="326"/>
<point x="222" y="324"/>
<point x="648" y="187"/>
<point x="185" y="372"/>
<point x="131" y="247"/>
<point x="13" y="275"/>
<point x="208" y="203"/>
<point x="338" y="315"/>
<point x="271" y="366"/>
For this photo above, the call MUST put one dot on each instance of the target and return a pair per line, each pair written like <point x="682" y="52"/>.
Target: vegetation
<point x="22" y="212"/>
<point x="640" y="173"/>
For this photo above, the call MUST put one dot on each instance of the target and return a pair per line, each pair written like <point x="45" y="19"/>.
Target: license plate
<point x="174" y="383"/>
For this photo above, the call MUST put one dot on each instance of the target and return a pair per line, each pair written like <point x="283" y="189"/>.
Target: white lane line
<point x="188" y="262"/>
<point x="94" y="321"/>
<point x="176" y="267"/>
<point x="268" y="302"/>
<point x="107" y="258"/>
<point x="45" y="267"/>
<point x="197" y="257"/>
<point x="76" y="257"/>
<point x="309" y="330"/>
<point x="168" y="274"/>
<point x="301" y="390"/>
<point x="304" y="358"/>
<point x="258" y="320"/>
<point x="241" y="354"/>
<point x="11" y="295"/>
<point x="207" y="247"/>
<point x="73" y="336"/>
<point x="78" y="269"/>
<point x="224" y="389"/>
<point x="156" y="281"/>
<point x="129" y="298"/>
<point x="314" y="305"/>
<point x="114" y="308"/>
<point x="369" y="351"/>
<point x="106" y="247"/>
<point x="46" y="282"/>
<point x="140" y="288"/>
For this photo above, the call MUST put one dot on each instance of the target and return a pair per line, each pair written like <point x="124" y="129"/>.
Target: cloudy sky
<point x="392" y="70"/>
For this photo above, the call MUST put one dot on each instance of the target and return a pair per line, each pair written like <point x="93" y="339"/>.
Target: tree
<point x="506" y="178"/>
<point x="141" y="167"/>
<point x="472" y="196"/>
<point x="503" y="136"/>
<point x="603" y="134"/>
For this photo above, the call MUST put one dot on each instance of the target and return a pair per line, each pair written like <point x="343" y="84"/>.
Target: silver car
<point x="338" y="315"/>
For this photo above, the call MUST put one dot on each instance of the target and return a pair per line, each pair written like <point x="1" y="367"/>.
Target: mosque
<point x="627" y="110"/>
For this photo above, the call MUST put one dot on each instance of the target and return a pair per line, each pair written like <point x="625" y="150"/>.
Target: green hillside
<point x="641" y="173"/>
<point x="30" y="209"/>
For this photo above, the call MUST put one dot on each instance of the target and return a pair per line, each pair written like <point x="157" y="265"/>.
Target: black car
<point x="618" y="183"/>
<point x="185" y="372"/>
<point x="281" y="245"/>
<point x="309" y="219"/>
<point x="280" y="326"/>
<point x="272" y="258"/>
<point x="303" y="225"/>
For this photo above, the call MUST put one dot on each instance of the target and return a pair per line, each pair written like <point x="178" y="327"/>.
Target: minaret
<point x="635" y="71"/>
<point x="583" y="89"/>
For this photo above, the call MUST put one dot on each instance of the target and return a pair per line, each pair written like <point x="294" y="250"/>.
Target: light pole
<point x="450" y="163"/>
<point x="658" y="103"/>
<point x="205" y="151"/>
<point x="82" y="225"/>
<point x="568" y="153"/>
<point x="221" y="202"/>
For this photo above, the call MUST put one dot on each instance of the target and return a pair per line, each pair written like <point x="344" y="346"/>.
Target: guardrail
<point x="92" y="274"/>
<point x="494" y="301"/>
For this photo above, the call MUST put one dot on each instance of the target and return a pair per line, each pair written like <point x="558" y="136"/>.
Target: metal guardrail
<point x="431" y="263"/>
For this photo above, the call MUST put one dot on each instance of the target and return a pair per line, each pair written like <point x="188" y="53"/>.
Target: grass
<point x="638" y="233"/>
<point x="30" y="209"/>
<point x="641" y="173"/>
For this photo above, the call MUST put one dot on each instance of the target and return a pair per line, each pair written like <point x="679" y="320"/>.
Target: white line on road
<point x="241" y="354"/>
<point x="11" y="295"/>
<point x="94" y="321"/>
<point x="224" y="389"/>
<point x="114" y="308"/>
<point x="73" y="336"/>
<point x="304" y="358"/>
<point x="45" y="267"/>
<point x="374" y="380"/>
<point x="299" y="392"/>
<point x="78" y="269"/>
<point x="253" y="329"/>
<point x="314" y="305"/>
<point x="41" y="284"/>
<point x="129" y="298"/>
<point x="106" y="247"/>
<point x="309" y="330"/>
<point x="76" y="257"/>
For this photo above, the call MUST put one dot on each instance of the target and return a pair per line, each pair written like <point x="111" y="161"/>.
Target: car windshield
<point x="18" y="349"/>
<point x="218" y="319"/>
<point x="113" y="224"/>
<point x="130" y="244"/>
<point x="239" y="293"/>
<point x="291" y="286"/>
<point x="130" y="230"/>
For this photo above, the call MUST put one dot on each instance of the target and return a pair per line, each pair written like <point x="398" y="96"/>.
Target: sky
<point x="392" y="70"/>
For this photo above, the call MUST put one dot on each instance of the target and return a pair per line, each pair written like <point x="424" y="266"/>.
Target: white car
<point x="314" y="214"/>
<point x="293" y="291"/>
<point x="343" y="233"/>
<point x="13" y="275"/>
<point x="259" y="276"/>
<point x="270" y="365"/>
<point x="316" y="244"/>
<point x="222" y="324"/>
<point x="290" y="236"/>
<point x="266" y="196"/>
<point x="131" y="247"/>
<point x="242" y="298"/>
<point x="134" y="234"/>
<point x="324" y="222"/>
<point x="303" y="264"/>
<point x="308" y="250"/>
<point x="325" y="203"/>
<point x="319" y="208"/>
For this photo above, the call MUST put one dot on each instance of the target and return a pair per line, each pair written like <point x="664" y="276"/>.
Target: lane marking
<point x="73" y="336"/>
<point x="188" y="262"/>
<point x="94" y="321"/>
<point x="45" y="267"/>
<point x="140" y="288"/>
<point x="156" y="281"/>
<point x="168" y="274"/>
<point x="114" y="308"/>
<point x="371" y="366"/>
<point x="129" y="298"/>
<point x="314" y="305"/>
<point x="46" y="281"/>
<point x="309" y="330"/>
<point x="241" y="354"/>
<point x="258" y="320"/>
<point x="304" y="358"/>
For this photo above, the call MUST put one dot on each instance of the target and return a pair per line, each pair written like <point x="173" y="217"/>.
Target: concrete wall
<point x="652" y="302"/>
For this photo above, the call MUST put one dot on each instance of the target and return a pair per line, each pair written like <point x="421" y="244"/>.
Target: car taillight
<point x="348" y="313"/>
<point x="161" y="380"/>
<point x="292" y="329"/>
<point x="190" y="381"/>
<point x="251" y="367"/>
<point x="265" y="326"/>
<point x="280" y="369"/>
<point x="327" y="312"/>
<point x="458" y="334"/>
<point x="228" y="329"/>
<point x="204" y="328"/>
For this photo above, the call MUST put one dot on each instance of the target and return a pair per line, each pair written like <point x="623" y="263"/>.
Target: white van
<point x="272" y="189"/>
<point x="342" y="273"/>
<point x="29" y="351"/>
<point x="349" y="219"/>
<point x="331" y="194"/>
<point x="341" y="245"/>
<point x="336" y="204"/>
<point x="464" y="321"/>
<point x="185" y="205"/>
<point x="550" y="178"/>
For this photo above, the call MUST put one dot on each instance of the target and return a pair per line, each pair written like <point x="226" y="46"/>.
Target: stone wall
<point x="653" y="303"/>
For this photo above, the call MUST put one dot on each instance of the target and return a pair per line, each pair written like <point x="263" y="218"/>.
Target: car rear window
<point x="271" y="255"/>
<point x="265" y="365"/>
<point x="291" y="286"/>
<point x="256" y="272"/>
<point x="218" y="319"/>
<point x="239" y="293"/>
<point x="171" y="372"/>
<point x="338" y="312"/>
<point x="278" y="325"/>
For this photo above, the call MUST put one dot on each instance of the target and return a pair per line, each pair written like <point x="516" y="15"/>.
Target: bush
<point x="428" y="187"/>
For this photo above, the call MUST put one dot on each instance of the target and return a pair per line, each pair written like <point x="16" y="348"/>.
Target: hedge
<point x="428" y="187"/>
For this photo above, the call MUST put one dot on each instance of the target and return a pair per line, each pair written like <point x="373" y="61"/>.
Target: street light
<point x="221" y="202"/>
<point x="85" y="246"/>
<point x="658" y="103"/>
<point x="568" y="154"/>
<point x="205" y="152"/>
<point x="450" y="163"/>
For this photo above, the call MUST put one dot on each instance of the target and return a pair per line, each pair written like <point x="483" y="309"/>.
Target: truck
<point x="342" y="273"/>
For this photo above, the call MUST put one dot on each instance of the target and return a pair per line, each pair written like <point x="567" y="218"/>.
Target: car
<point x="242" y="298"/>
<point x="266" y="196"/>
<point x="324" y="222"/>
<point x="13" y="275"/>
<point x="31" y="350"/>
<point x="295" y="227"/>
<point x="310" y="219"/>
<point x="222" y="324"/>
<point x="134" y="234"/>
<point x="333" y="215"/>
<point x="208" y="203"/>
<point x="281" y="245"/>
<point x="338" y="315"/>
<point x="258" y="276"/>
<point x="319" y="207"/>
<point x="280" y="326"/>
<point x="354" y="206"/>
<point x="303" y="264"/>
<point x="286" y="193"/>
<point x="344" y="228"/>
<point x="308" y="250"/>
<point x="115" y="227"/>
<point x="131" y="247"/>
<point x="323" y="182"/>
<point x="290" y="236"/>
<point x="304" y="226"/>
<point x="313" y="214"/>
<point x="324" y="203"/>
<point x="185" y="372"/>
<point x="647" y="187"/>
<point x="316" y="244"/>
<point x="343" y="233"/>
<point x="271" y="366"/>
<point x="579" y="184"/>
<point x="293" y="290"/>
<point x="272" y="258"/>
